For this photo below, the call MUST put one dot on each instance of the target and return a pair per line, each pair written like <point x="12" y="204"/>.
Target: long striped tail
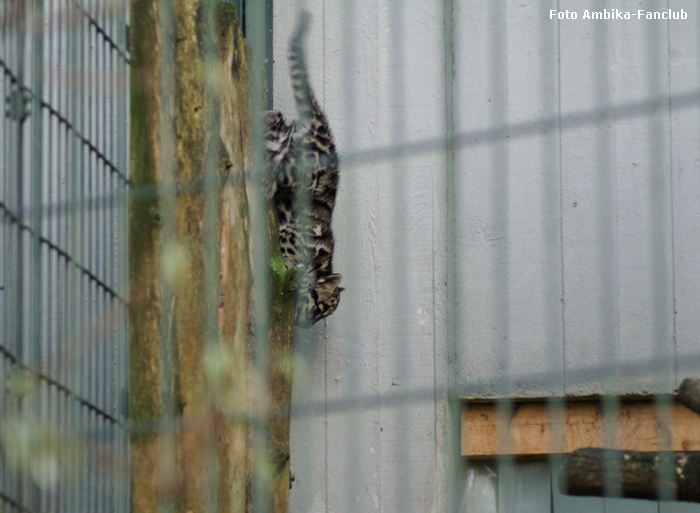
<point x="297" y="66"/>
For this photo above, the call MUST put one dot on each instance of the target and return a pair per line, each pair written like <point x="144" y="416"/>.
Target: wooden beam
<point x="531" y="431"/>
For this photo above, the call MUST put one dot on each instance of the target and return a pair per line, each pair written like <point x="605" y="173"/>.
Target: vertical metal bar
<point x="50" y="220"/>
<point x="662" y="300"/>
<point x="552" y="231"/>
<point x="168" y="213"/>
<point x="255" y="20"/>
<point x="5" y="245"/>
<point x="96" y="216"/>
<point x="63" y="141"/>
<point x="82" y="297"/>
<point x="122" y="202"/>
<point x="71" y="244"/>
<point x="35" y="317"/>
<point x="211" y="202"/>
<point x="351" y="273"/>
<point x="6" y="258"/>
<point x="266" y="29"/>
<point x="499" y="214"/>
<point x="89" y="361"/>
<point x="5" y="162"/>
<point x="17" y="315"/>
<point x="103" y="215"/>
<point x="400" y="256"/>
<point x="452" y="502"/>
<point x="606" y="252"/>
<point x="104" y="346"/>
<point x="113" y="337"/>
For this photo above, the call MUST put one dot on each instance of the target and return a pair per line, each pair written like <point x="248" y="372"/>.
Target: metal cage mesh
<point x="63" y="191"/>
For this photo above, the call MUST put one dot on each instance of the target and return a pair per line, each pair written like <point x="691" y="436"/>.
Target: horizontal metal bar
<point x="14" y="218"/>
<point x="59" y="386"/>
<point x="16" y="506"/>
<point x="101" y="31"/>
<point x="510" y="131"/>
<point x="63" y="120"/>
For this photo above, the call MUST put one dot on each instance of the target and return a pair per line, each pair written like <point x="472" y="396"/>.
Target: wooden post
<point x="190" y="392"/>
<point x="235" y="136"/>
<point x="235" y="269"/>
<point x="212" y="416"/>
<point x="144" y="255"/>
<point x="281" y="340"/>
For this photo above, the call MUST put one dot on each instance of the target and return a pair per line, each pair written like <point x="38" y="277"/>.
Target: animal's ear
<point x="274" y="119"/>
<point x="330" y="281"/>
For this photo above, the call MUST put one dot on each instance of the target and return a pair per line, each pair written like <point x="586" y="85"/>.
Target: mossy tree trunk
<point x="211" y="416"/>
<point x="193" y="444"/>
<point x="145" y="370"/>
<point x="279" y="378"/>
<point x="234" y="130"/>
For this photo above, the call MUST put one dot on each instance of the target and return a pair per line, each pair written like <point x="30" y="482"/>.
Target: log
<point x="234" y="105"/>
<point x="632" y="474"/>
<point x="209" y="404"/>
<point x="194" y="459"/>
<point x="279" y="378"/>
<point x="145" y="369"/>
<point x="689" y="394"/>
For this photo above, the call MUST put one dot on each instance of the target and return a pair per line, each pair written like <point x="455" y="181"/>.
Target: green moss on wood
<point x="144" y="256"/>
<point x="144" y="396"/>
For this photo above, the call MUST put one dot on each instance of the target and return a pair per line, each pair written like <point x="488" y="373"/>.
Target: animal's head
<point x="321" y="301"/>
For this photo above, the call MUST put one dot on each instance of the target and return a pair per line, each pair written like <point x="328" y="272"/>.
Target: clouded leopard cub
<point x="302" y="180"/>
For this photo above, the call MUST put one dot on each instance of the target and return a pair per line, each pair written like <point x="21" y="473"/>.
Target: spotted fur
<point x="302" y="181"/>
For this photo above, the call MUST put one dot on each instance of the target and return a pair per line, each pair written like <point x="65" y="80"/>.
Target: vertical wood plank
<point x="534" y="340"/>
<point x="351" y="335"/>
<point x="685" y="140"/>
<point x="411" y="101"/>
<point x="638" y="506"/>
<point x="588" y="203"/>
<point x="335" y="456"/>
<point x="480" y="169"/>
<point x="524" y="486"/>
<point x="308" y="433"/>
<point x="644" y="229"/>
<point x="678" y="507"/>
<point x="508" y="204"/>
<point x="481" y="488"/>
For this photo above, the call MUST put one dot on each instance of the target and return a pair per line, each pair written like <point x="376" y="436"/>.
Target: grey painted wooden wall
<point x="577" y="231"/>
<point x="577" y="221"/>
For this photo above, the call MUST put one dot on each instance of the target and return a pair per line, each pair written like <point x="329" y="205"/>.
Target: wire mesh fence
<point x="63" y="233"/>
